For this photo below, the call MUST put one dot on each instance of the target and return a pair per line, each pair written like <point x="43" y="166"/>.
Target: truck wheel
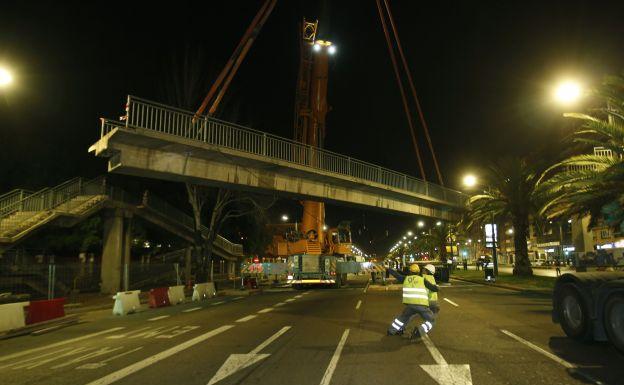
<point x="573" y="314"/>
<point x="614" y="321"/>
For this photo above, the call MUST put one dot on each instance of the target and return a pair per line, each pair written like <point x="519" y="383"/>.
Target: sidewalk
<point x="536" y="284"/>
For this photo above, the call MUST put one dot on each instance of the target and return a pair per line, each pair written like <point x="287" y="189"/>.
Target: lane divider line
<point x="279" y="304"/>
<point x="159" y="317"/>
<point x="247" y="318"/>
<point x="69" y="341"/>
<point x="299" y="296"/>
<point x="191" y="309"/>
<point x="358" y="304"/>
<point x="451" y="302"/>
<point x="553" y="357"/>
<point x="329" y="372"/>
<point x="366" y="288"/>
<point x="128" y="370"/>
<point x="269" y="340"/>
<point x="217" y="303"/>
<point x="289" y="300"/>
<point x="268" y="309"/>
<point x="237" y="298"/>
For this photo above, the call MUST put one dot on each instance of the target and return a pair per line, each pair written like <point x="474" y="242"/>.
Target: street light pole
<point x="494" y="255"/>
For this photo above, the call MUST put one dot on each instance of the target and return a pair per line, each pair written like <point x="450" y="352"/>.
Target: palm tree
<point x="592" y="184"/>
<point x="509" y="196"/>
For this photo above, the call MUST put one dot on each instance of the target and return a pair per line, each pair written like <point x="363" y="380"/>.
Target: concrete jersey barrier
<point x="126" y="302"/>
<point x="203" y="291"/>
<point x="176" y="294"/>
<point x="12" y="316"/>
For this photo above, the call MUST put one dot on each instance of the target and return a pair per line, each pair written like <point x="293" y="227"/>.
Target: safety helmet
<point x="414" y="268"/>
<point x="430" y="268"/>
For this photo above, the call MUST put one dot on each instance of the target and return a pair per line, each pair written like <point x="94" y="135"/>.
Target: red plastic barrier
<point x="39" y="311"/>
<point x="159" y="297"/>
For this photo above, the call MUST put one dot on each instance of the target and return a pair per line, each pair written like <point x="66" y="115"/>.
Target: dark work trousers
<point x="400" y="323"/>
<point x="434" y="307"/>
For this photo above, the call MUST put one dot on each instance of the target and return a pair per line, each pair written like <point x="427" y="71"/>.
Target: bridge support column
<point x="188" y="256"/>
<point x="115" y="250"/>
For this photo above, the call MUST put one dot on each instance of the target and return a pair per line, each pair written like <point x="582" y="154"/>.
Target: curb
<point x="545" y="292"/>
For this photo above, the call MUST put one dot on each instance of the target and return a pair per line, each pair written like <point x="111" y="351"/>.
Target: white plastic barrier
<point x="12" y="316"/>
<point x="126" y="302"/>
<point x="176" y="294"/>
<point x="203" y="291"/>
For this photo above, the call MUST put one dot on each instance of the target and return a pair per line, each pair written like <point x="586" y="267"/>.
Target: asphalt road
<point x="484" y="335"/>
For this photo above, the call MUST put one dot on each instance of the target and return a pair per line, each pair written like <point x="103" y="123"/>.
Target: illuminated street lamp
<point x="5" y="77"/>
<point x="469" y="180"/>
<point x="568" y="92"/>
<point x="438" y="223"/>
<point x="421" y="224"/>
<point x="409" y="233"/>
<point x="284" y="218"/>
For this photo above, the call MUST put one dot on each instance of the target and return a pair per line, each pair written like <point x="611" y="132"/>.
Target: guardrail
<point x="8" y="200"/>
<point x="158" y="117"/>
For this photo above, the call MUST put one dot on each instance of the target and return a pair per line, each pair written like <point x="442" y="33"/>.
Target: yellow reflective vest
<point x="414" y="291"/>
<point x="433" y="296"/>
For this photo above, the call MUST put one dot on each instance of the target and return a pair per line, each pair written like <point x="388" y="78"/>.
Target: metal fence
<point x="173" y="121"/>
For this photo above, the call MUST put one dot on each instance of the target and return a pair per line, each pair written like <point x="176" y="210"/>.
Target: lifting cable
<point x="235" y="60"/>
<point x="413" y="89"/>
<point x="398" y="78"/>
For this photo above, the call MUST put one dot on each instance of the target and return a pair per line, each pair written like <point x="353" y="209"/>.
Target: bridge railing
<point x="174" y="121"/>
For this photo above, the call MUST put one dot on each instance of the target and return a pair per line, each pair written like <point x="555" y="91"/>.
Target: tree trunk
<point x="522" y="264"/>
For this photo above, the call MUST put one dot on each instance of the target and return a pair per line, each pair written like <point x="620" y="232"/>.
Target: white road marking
<point x="299" y="296"/>
<point x="36" y="358"/>
<point x="128" y="370"/>
<point x="178" y="332"/>
<point x="191" y="309"/>
<point x="279" y="304"/>
<point x="219" y="303"/>
<point x="237" y="298"/>
<point x="159" y="317"/>
<point x="459" y="286"/>
<point x="29" y="364"/>
<point x="358" y="304"/>
<point x="451" y="302"/>
<point x="329" y="372"/>
<point x="69" y="341"/>
<point x="366" y="288"/>
<point x="442" y="372"/>
<point x="153" y="333"/>
<point x="100" y="352"/>
<point x="118" y="336"/>
<point x="245" y="319"/>
<point x="553" y="357"/>
<point x="95" y="365"/>
<point x="289" y="300"/>
<point x="268" y="309"/>
<point x="236" y="362"/>
<point x="307" y="292"/>
<point x="435" y="353"/>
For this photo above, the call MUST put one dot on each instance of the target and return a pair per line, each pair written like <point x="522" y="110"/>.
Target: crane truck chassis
<point x="590" y="306"/>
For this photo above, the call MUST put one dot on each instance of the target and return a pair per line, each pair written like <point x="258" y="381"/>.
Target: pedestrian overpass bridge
<point x="163" y="142"/>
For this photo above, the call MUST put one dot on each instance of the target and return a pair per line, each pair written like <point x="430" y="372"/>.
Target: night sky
<point x="483" y="71"/>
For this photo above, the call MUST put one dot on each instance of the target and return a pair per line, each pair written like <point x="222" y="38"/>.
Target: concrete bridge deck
<point x="163" y="142"/>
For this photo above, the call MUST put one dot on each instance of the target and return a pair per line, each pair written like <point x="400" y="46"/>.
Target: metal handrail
<point x="158" y="117"/>
<point x="168" y="210"/>
<point x="9" y="199"/>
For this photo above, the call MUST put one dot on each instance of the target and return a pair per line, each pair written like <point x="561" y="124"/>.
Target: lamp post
<point x="6" y="78"/>
<point x="470" y="181"/>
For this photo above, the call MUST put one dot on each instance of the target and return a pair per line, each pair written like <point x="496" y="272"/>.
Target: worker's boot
<point x="415" y="335"/>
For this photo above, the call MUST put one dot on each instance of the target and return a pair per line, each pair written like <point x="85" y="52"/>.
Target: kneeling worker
<point x="417" y="300"/>
<point x="428" y="273"/>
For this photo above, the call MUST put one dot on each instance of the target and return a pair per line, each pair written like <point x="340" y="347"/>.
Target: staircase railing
<point x="8" y="200"/>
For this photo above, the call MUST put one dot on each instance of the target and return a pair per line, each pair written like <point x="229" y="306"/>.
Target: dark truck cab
<point x="590" y="306"/>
